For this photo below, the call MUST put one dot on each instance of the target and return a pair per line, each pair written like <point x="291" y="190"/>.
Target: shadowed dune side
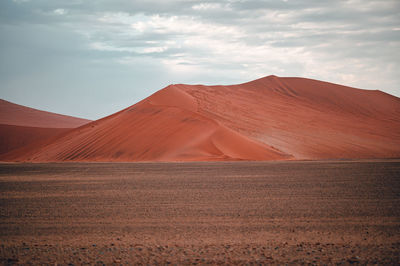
<point x="25" y="129"/>
<point x="15" y="137"/>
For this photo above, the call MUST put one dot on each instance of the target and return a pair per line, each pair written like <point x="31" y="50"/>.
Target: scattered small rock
<point x="353" y="260"/>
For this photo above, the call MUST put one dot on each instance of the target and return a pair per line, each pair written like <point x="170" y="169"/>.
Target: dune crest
<point x="271" y="118"/>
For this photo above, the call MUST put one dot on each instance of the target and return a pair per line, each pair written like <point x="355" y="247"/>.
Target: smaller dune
<point x="18" y="115"/>
<point x="26" y="128"/>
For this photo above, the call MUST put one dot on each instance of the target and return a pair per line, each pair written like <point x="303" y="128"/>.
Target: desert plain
<point x="273" y="171"/>
<point x="286" y="212"/>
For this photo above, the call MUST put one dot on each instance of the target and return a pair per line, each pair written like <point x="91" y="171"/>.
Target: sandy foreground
<point x="323" y="212"/>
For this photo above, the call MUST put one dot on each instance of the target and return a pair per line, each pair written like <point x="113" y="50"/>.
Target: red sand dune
<point x="15" y="137"/>
<point x="271" y="118"/>
<point x="18" y="115"/>
<point x="23" y="127"/>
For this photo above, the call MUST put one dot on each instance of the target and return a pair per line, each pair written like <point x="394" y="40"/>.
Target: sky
<point x="93" y="58"/>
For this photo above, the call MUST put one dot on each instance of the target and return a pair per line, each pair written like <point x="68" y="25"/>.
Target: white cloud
<point x="139" y="26"/>
<point x="272" y="41"/>
<point x="154" y="49"/>
<point x="60" y="11"/>
<point x="231" y="41"/>
<point x="206" y="6"/>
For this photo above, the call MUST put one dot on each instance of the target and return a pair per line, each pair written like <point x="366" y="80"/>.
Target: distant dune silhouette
<point x="271" y="118"/>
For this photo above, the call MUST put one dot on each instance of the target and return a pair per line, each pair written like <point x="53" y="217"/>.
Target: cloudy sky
<point x="92" y="58"/>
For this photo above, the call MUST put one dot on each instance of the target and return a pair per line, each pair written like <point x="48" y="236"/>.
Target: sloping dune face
<point x="23" y="127"/>
<point x="16" y="137"/>
<point x="163" y="127"/>
<point x="18" y="115"/>
<point x="307" y="119"/>
<point x="267" y="119"/>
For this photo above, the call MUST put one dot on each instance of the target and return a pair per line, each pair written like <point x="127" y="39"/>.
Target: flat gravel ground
<point x="318" y="212"/>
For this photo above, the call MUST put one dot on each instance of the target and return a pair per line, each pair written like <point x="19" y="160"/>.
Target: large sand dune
<point x="26" y="128"/>
<point x="271" y="118"/>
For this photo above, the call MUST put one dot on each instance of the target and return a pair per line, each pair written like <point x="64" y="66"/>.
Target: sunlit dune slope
<point x="267" y="119"/>
<point x="306" y="118"/>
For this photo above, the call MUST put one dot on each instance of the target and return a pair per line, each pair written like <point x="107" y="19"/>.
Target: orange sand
<point x="270" y="118"/>
<point x="15" y="137"/>
<point x="18" y="115"/>
<point x="27" y="128"/>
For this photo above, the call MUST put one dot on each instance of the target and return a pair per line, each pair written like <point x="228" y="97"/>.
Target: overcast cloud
<point x="92" y="58"/>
